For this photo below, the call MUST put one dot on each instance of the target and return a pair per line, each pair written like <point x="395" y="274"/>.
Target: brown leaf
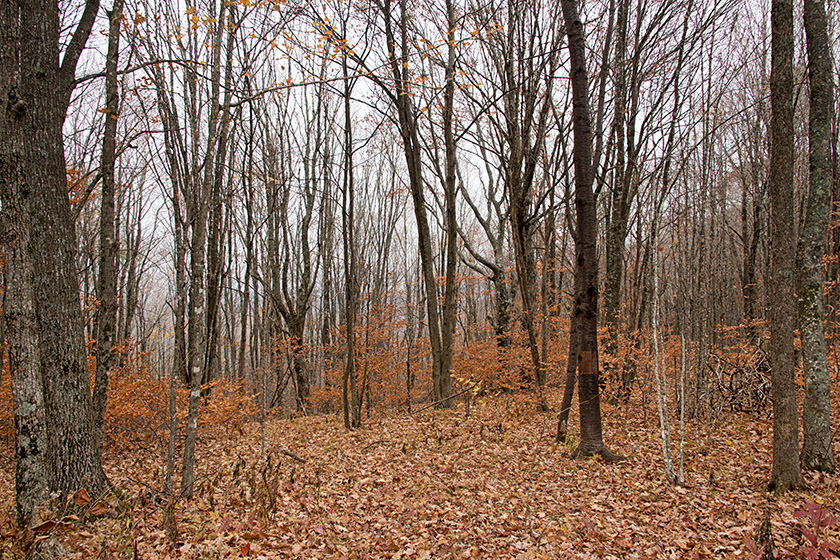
<point x="98" y="509"/>
<point x="44" y="527"/>
<point x="82" y="498"/>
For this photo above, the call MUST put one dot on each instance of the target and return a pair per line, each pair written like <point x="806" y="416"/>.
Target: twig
<point x="371" y="444"/>
<point x="293" y="456"/>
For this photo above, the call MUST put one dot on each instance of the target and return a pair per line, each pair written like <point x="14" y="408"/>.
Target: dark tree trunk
<point x="106" y="318"/>
<point x="351" y="403"/>
<point x="782" y="309"/>
<point x="401" y="97"/>
<point x="619" y="203"/>
<point x="524" y="134"/>
<point x="444" y="382"/>
<point x="569" y="387"/>
<point x="817" y="452"/>
<point x="586" y="260"/>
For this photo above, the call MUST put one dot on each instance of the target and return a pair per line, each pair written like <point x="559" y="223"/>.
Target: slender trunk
<point x="569" y="388"/>
<point x="586" y="271"/>
<point x="444" y="382"/>
<point x="108" y="245"/>
<point x="197" y="313"/>
<point x="351" y="405"/>
<point x="617" y="222"/>
<point x="660" y="374"/>
<point x="401" y="96"/>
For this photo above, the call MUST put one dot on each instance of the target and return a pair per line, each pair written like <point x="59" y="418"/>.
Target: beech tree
<point x="398" y="89"/>
<point x="193" y="141"/>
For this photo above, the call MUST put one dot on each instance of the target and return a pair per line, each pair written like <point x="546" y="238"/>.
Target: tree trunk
<point x="586" y="260"/>
<point x="782" y="312"/>
<point x="19" y="298"/>
<point x="106" y="318"/>
<point x="401" y="97"/>
<point x="569" y="388"/>
<point x="197" y="212"/>
<point x="444" y="382"/>
<point x="351" y="404"/>
<point x="817" y="452"/>
<point x="619" y="202"/>
<point x="72" y="452"/>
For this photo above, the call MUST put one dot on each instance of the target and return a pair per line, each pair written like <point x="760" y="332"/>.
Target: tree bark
<point x="72" y="452"/>
<point x="401" y="97"/>
<point x="569" y="387"/>
<point x="351" y="404"/>
<point x="586" y="260"/>
<point x="19" y="298"/>
<point x="444" y="381"/>
<point x="620" y="205"/>
<point x="782" y="312"/>
<point x="106" y="317"/>
<point x="817" y="452"/>
<point x="197" y="213"/>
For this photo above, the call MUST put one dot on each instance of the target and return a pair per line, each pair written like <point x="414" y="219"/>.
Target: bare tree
<point x="782" y="313"/>
<point x="106" y="319"/>
<point x="817" y="452"/>
<point x="21" y="328"/>
<point x="586" y="261"/>
<point x="44" y="89"/>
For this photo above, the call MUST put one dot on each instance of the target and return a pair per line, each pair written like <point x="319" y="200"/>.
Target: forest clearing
<point x="441" y="484"/>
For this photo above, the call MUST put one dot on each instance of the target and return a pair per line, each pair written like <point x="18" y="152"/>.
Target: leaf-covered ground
<point x="441" y="484"/>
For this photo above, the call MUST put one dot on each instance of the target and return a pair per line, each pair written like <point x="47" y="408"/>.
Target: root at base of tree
<point x="587" y="450"/>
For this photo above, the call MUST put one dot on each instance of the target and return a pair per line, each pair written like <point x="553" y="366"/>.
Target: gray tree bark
<point x="817" y="452"/>
<point x="72" y="453"/>
<point x="407" y="120"/>
<point x="19" y="298"/>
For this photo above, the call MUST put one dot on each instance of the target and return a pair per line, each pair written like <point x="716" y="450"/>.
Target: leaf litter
<point x="444" y="484"/>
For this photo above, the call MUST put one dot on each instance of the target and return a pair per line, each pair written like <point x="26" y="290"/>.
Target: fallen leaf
<point x="82" y="498"/>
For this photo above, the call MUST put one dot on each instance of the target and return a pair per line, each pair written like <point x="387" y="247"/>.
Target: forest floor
<point x="444" y="484"/>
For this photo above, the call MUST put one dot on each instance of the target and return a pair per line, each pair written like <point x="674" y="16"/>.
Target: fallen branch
<point x="371" y="444"/>
<point x="293" y="456"/>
